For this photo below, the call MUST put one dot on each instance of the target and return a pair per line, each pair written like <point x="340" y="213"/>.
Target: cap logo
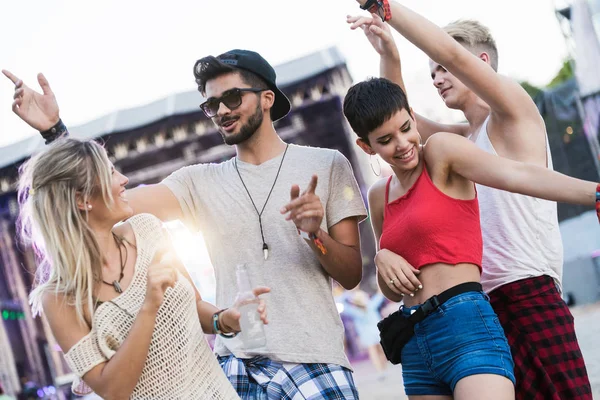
<point x="229" y="61"/>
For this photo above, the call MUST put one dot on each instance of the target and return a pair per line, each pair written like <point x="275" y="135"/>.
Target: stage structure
<point x="572" y="114"/>
<point x="147" y="143"/>
<point x="579" y="21"/>
<point x="571" y="110"/>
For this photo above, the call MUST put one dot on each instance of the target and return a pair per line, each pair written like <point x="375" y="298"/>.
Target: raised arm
<point x="467" y="160"/>
<point x="505" y="97"/>
<point x="390" y="67"/>
<point x="157" y="200"/>
<point x="380" y="37"/>
<point x="38" y="110"/>
<point x="338" y="249"/>
<point x="41" y="112"/>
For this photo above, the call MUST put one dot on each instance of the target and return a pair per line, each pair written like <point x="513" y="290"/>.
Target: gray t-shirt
<point x="304" y="324"/>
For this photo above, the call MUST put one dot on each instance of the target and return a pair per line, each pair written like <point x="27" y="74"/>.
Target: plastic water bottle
<point x="253" y="329"/>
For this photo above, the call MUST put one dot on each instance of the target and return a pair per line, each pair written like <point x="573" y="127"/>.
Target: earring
<point x="420" y="141"/>
<point x="378" y="164"/>
<point x="89" y="206"/>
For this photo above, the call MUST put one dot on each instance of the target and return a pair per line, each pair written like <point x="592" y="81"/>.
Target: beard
<point x="246" y="130"/>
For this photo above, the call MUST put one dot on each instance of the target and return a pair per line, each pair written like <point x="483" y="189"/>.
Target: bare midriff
<point x="438" y="277"/>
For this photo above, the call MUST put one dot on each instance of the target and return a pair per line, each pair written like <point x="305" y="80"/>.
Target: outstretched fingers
<point x="44" y="84"/>
<point x="12" y="77"/>
<point x="358" y="21"/>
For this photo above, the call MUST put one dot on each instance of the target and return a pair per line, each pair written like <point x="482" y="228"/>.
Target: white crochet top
<point x="180" y="364"/>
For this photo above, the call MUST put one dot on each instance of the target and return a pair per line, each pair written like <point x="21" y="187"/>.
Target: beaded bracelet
<point x="315" y="239"/>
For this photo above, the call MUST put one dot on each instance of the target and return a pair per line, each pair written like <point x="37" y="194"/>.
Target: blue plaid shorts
<point x="264" y="379"/>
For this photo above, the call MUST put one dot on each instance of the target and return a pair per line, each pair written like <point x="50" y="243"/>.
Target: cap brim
<point x="281" y="106"/>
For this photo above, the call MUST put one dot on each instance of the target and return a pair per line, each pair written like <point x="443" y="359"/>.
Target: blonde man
<point x="522" y="257"/>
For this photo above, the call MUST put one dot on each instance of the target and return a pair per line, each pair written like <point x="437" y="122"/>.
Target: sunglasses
<point x="231" y="98"/>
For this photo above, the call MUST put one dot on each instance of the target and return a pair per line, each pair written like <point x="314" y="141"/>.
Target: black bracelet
<point x="58" y="130"/>
<point x="217" y="326"/>
<point x="369" y="4"/>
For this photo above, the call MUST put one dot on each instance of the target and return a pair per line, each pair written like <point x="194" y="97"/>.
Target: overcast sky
<point x="103" y="56"/>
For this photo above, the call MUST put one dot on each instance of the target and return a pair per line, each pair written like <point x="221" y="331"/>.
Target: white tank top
<point x="521" y="237"/>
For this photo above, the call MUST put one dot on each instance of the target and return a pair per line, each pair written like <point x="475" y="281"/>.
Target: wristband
<point x="313" y="238"/>
<point x="379" y="7"/>
<point x="55" y="132"/>
<point x="216" y="328"/>
<point x="369" y="5"/>
<point x="387" y="11"/>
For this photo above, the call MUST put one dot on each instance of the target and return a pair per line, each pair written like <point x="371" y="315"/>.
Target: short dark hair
<point x="211" y="67"/>
<point x="370" y="103"/>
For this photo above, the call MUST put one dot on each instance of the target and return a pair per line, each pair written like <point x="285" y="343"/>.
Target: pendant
<point x="117" y="287"/>
<point x="265" y="251"/>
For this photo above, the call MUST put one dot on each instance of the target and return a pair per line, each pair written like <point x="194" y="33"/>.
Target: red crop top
<point x="426" y="226"/>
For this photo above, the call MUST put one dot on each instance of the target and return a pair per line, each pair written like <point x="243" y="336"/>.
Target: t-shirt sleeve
<point x="183" y="185"/>
<point x="345" y="199"/>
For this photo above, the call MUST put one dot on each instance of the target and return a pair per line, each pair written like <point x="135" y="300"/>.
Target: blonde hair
<point x="68" y="254"/>
<point x="474" y="36"/>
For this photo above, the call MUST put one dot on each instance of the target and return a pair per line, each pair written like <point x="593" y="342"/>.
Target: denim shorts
<point x="462" y="337"/>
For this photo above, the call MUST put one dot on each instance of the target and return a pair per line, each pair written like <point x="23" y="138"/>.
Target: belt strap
<point x="437" y="300"/>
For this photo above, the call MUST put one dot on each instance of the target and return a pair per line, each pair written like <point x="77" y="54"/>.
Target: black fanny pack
<point x="397" y="329"/>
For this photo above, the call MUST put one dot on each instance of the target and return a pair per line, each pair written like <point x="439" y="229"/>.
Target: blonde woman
<point x="122" y="308"/>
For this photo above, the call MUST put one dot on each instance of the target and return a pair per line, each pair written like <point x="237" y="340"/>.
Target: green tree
<point x="530" y="89"/>
<point x="565" y="73"/>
